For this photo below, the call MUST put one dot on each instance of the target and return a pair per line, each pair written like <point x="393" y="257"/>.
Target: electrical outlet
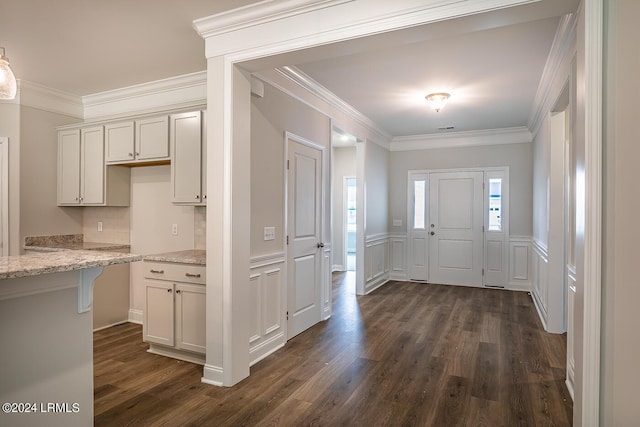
<point x="174" y="229"/>
<point x="99" y="225"/>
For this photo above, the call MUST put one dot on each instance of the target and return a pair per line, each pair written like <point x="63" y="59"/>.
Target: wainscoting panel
<point x="376" y="262"/>
<point x="267" y="314"/>
<point x="520" y="263"/>
<point x="540" y="280"/>
<point x="326" y="284"/>
<point x="398" y="244"/>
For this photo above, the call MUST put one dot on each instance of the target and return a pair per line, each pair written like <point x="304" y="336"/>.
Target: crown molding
<point x="167" y="94"/>
<point x="256" y="14"/>
<point x="44" y="98"/>
<point x="562" y="48"/>
<point x="517" y="135"/>
<point x="255" y="31"/>
<point x="297" y="76"/>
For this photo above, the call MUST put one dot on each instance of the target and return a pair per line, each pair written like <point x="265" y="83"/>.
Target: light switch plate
<point x="269" y="233"/>
<point x="397" y="223"/>
<point x="99" y="225"/>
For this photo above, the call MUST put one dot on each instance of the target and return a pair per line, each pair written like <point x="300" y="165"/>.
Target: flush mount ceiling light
<point x="8" y="86"/>
<point x="437" y="100"/>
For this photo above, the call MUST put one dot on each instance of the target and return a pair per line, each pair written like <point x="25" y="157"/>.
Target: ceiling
<point x="490" y="63"/>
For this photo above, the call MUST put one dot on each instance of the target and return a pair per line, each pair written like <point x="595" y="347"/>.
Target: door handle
<point x="320" y="245"/>
<point x="433" y="233"/>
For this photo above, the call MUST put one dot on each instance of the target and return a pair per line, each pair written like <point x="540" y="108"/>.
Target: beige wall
<point x="377" y="185"/>
<point x="271" y="116"/>
<point x="10" y="127"/>
<point x="621" y="290"/>
<point x="39" y="214"/>
<point x="343" y="165"/>
<point x="517" y="156"/>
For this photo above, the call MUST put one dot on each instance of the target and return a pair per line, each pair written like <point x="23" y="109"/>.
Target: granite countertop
<point x="190" y="256"/>
<point x="59" y="261"/>
<point x="73" y="242"/>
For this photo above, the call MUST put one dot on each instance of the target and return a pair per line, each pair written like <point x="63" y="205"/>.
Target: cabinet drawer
<point x="188" y="273"/>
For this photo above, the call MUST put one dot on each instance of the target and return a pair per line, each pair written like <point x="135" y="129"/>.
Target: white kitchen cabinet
<point x="137" y="141"/>
<point x="188" y="157"/>
<point x="175" y="310"/>
<point x="83" y="179"/>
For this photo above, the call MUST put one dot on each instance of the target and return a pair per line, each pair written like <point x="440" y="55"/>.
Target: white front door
<point x="456" y="228"/>
<point x="304" y="213"/>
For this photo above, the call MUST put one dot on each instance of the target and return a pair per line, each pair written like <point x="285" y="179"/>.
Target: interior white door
<point x="418" y="224"/>
<point x="304" y="201"/>
<point x="455" y="229"/>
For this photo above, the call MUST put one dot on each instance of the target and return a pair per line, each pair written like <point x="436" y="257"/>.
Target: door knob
<point x="320" y="245"/>
<point x="433" y="233"/>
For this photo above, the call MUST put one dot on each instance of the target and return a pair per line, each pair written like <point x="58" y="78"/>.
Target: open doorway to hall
<point x="350" y="223"/>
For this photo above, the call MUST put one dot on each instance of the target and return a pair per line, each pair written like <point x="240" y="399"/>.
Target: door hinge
<point x="287" y="164"/>
<point x="287" y="240"/>
<point x="287" y="315"/>
<point x="483" y="271"/>
<point x="483" y="228"/>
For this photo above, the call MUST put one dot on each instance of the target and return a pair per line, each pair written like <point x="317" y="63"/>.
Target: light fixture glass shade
<point x="437" y="100"/>
<point x="8" y="86"/>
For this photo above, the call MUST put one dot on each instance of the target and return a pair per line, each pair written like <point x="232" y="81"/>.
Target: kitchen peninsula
<point x="46" y="356"/>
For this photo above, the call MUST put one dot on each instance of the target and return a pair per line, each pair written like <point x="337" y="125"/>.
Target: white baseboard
<point x="111" y="325"/>
<point x="266" y="348"/>
<point x="136" y="316"/>
<point x="337" y="267"/>
<point x="375" y="284"/>
<point x="177" y="354"/>
<point x="212" y="375"/>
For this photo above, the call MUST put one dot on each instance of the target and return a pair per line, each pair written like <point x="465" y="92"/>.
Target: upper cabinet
<point x="83" y="178"/>
<point x="137" y="141"/>
<point x="188" y="171"/>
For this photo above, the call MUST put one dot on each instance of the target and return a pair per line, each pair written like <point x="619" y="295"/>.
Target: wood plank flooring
<point x="409" y="354"/>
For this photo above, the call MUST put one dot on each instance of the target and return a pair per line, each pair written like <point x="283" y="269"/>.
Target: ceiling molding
<point x="517" y="135"/>
<point x="562" y="48"/>
<point x="44" y="98"/>
<point x="166" y="94"/>
<point x="256" y="14"/>
<point x="260" y="37"/>
<point x="328" y="98"/>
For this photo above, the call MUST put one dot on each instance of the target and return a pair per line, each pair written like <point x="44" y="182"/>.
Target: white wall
<point x="344" y="165"/>
<point x="10" y="127"/>
<point x="377" y="187"/>
<point x="152" y="215"/>
<point x="621" y="293"/>
<point x="516" y="156"/>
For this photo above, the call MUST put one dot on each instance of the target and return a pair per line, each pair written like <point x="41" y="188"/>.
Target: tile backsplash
<point x="200" y="227"/>
<point x="115" y="224"/>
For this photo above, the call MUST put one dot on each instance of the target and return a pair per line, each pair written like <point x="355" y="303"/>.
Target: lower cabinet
<point x="174" y="316"/>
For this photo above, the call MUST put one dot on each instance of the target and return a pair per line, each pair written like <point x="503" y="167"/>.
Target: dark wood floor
<point x="409" y="354"/>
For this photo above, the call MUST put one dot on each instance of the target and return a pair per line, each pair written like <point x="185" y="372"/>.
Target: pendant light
<point x="437" y="100"/>
<point x="8" y="85"/>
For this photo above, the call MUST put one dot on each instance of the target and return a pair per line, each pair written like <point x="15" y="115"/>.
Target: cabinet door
<point x="69" y="167"/>
<point x="158" y="313"/>
<point x="190" y="317"/>
<point x="119" y="142"/>
<point x="152" y="138"/>
<point x="92" y="166"/>
<point x="186" y="157"/>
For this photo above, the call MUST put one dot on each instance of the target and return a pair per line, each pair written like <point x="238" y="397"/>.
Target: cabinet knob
<point x="197" y="197"/>
<point x="169" y="290"/>
<point x="77" y="199"/>
<point x="204" y="197"/>
<point x="178" y="291"/>
<point x="137" y="154"/>
<point x="130" y="154"/>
